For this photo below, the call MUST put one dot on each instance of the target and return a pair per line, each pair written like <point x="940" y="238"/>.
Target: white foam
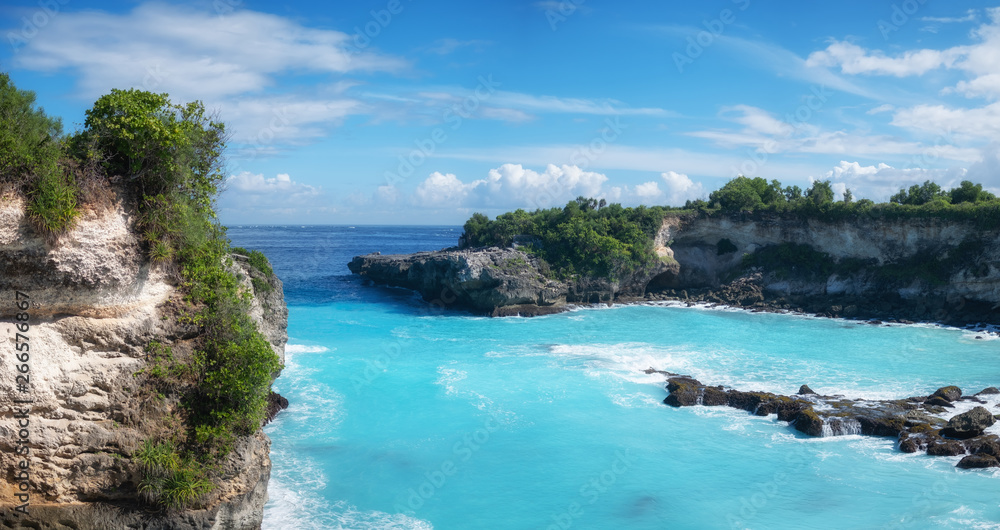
<point x="302" y="348"/>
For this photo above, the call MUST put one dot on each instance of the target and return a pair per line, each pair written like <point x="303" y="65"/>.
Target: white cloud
<point x="983" y="122"/>
<point x="443" y="190"/>
<point x="190" y="53"/>
<point x="680" y="188"/>
<point x="512" y="186"/>
<point x="978" y="60"/>
<point x="764" y="132"/>
<point x="853" y="59"/>
<point x="970" y="16"/>
<point x="879" y="182"/>
<point x="251" y="183"/>
<point x="882" y="108"/>
<point x="250" y="197"/>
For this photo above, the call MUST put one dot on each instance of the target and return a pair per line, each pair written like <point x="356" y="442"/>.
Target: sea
<point x="403" y="416"/>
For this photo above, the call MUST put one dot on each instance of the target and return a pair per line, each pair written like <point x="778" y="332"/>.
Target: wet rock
<point x="980" y="461"/>
<point x="989" y="391"/>
<point x="969" y="424"/>
<point x="809" y="422"/>
<point x="987" y="444"/>
<point x="714" y="397"/>
<point x="945" y="447"/>
<point x="950" y="393"/>
<point x="684" y="392"/>
<point x="938" y="401"/>
<point x="805" y="390"/>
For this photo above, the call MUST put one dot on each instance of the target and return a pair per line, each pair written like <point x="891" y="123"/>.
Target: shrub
<point x="168" y="479"/>
<point x="52" y="203"/>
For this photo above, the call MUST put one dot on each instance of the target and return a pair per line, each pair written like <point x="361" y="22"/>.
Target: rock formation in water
<point x="94" y="305"/>
<point x="917" y="422"/>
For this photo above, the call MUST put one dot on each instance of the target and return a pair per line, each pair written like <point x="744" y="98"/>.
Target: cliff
<point x="496" y="281"/>
<point x="94" y="305"/>
<point x="919" y="268"/>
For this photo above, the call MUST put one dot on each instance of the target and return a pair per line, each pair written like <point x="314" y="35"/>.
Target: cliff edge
<point x="75" y="410"/>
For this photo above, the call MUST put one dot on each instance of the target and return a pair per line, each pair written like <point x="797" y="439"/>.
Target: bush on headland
<point x="165" y="159"/>
<point x="586" y="237"/>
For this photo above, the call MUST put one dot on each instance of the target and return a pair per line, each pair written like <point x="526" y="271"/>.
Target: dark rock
<point x="978" y="462"/>
<point x="938" y="401"/>
<point x="809" y="422"/>
<point x="944" y="447"/>
<point x="805" y="390"/>
<point x="714" y="397"/>
<point x="989" y="391"/>
<point x="275" y="404"/>
<point x="969" y="424"/>
<point x="684" y="392"/>
<point x="987" y="444"/>
<point x="951" y="393"/>
<point x="911" y="443"/>
<point x="652" y="370"/>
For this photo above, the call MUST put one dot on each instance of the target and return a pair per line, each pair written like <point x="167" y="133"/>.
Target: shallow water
<point x="401" y="417"/>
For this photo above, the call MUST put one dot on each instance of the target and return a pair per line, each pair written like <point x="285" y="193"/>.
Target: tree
<point x="969" y="192"/>
<point x="744" y="194"/>
<point x="848" y="196"/>
<point x="29" y="139"/>
<point x="919" y="194"/>
<point x="157" y="146"/>
<point x="821" y="193"/>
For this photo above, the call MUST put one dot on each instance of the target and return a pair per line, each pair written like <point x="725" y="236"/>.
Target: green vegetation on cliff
<point x="743" y="195"/>
<point x="592" y="238"/>
<point x="165" y="159"/>
<point x="585" y="237"/>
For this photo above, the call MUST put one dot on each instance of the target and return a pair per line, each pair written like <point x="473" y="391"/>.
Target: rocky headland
<point x="931" y="423"/>
<point x="495" y="281"/>
<point x="908" y="269"/>
<point x="96" y="303"/>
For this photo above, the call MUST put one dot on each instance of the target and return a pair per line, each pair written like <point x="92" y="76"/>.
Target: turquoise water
<point x="405" y="418"/>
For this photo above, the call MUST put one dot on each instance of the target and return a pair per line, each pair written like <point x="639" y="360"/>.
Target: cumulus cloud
<point x="880" y="181"/>
<point x="512" y="186"/>
<point x="251" y="197"/>
<point x="680" y="188"/>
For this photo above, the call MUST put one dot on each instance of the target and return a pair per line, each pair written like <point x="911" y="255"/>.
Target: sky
<point x="423" y="112"/>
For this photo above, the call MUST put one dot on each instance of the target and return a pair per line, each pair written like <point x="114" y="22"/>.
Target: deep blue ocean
<point x="407" y="418"/>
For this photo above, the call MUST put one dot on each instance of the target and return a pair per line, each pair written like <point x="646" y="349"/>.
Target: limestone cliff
<point x="95" y="304"/>
<point x="921" y="268"/>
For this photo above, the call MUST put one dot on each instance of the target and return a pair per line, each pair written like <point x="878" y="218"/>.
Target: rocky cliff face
<point x="497" y="281"/>
<point x="94" y="304"/>
<point x="917" y="268"/>
<point x="924" y="268"/>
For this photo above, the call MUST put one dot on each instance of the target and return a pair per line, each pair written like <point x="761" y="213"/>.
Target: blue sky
<point x="422" y="112"/>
